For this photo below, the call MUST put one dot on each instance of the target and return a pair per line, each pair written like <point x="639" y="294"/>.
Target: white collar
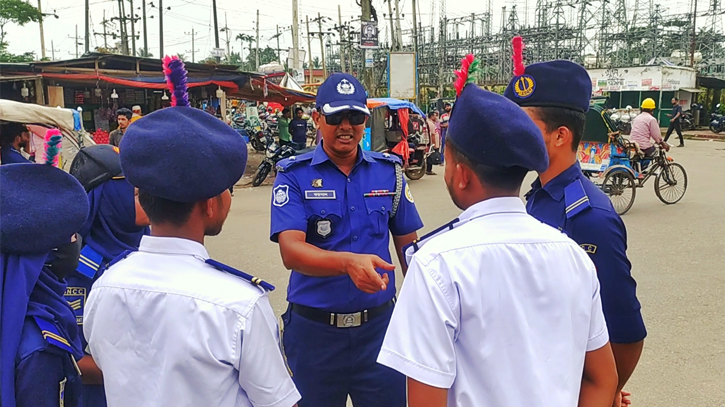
<point x="173" y="245"/>
<point x="493" y="206"/>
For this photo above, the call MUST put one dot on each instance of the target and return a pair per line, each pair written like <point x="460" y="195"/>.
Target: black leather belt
<point x="350" y="320"/>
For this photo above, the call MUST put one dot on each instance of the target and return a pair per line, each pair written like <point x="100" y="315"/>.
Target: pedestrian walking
<point x="39" y="342"/>
<point x="167" y="325"/>
<point x="333" y="210"/>
<point x="498" y="309"/>
<point x="564" y="198"/>
<point x="675" y="122"/>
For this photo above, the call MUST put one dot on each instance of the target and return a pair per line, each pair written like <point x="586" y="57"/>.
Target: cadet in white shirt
<point x="498" y="309"/>
<point x="167" y="325"/>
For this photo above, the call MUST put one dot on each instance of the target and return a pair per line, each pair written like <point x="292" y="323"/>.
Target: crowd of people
<point x="116" y="301"/>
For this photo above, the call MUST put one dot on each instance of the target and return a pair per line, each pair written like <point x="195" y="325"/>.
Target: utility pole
<point x="133" y="30"/>
<point x="226" y="31"/>
<point x="342" y="52"/>
<point x="53" y="50"/>
<point x="393" y="36"/>
<point x="279" y="56"/>
<point x="161" y="29"/>
<point x="193" y="49"/>
<point x="322" y="47"/>
<point x="145" y="38"/>
<point x="309" y="46"/>
<point x="415" y="49"/>
<point x="398" y="33"/>
<point x="122" y="22"/>
<point x="88" y="27"/>
<point x="694" y="34"/>
<point x="77" y="40"/>
<point x="42" y="36"/>
<point x="216" y="29"/>
<point x="295" y="34"/>
<point x="366" y="6"/>
<point x="257" y="53"/>
<point x="441" y="62"/>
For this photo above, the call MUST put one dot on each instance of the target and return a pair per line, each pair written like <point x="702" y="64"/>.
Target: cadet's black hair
<point x="124" y="112"/>
<point x="555" y="117"/>
<point x="508" y="179"/>
<point x="161" y="210"/>
<point x="299" y="109"/>
<point x="9" y="131"/>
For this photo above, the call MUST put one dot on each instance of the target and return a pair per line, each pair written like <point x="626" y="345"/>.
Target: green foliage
<point x="18" y="12"/>
<point x="142" y="52"/>
<point x="6" y="56"/>
<point x="266" y="56"/>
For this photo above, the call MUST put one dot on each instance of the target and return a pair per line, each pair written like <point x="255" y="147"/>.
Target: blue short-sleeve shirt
<point x="9" y="155"/>
<point x="312" y="195"/>
<point x="574" y="205"/>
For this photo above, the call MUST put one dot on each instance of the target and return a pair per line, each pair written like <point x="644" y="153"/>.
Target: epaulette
<point x="231" y="270"/>
<point x="288" y="163"/>
<point x="384" y="157"/>
<point x="411" y="248"/>
<point x="575" y="198"/>
<point x="89" y="262"/>
<point x="119" y="258"/>
<point x="52" y="335"/>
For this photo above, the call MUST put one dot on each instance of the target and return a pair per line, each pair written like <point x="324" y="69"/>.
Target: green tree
<point x="6" y="56"/>
<point x="266" y="56"/>
<point x="235" y="59"/>
<point x="18" y="12"/>
<point x="181" y="56"/>
<point x="144" y="53"/>
<point x="316" y="63"/>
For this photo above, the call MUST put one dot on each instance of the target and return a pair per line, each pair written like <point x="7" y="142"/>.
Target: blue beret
<point x="94" y="165"/>
<point x="182" y="154"/>
<point x="552" y="84"/>
<point x="491" y="130"/>
<point x="339" y="92"/>
<point x="42" y="207"/>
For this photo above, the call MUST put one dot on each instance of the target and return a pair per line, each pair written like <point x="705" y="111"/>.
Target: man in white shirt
<point x="498" y="309"/>
<point x="167" y="325"/>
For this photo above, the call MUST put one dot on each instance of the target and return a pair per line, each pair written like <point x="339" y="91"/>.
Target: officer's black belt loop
<point x="338" y="320"/>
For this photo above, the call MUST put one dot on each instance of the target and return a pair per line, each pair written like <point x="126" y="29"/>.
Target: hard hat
<point x="648" y="104"/>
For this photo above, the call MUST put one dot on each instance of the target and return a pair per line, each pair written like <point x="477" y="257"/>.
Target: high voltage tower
<point x="594" y="33"/>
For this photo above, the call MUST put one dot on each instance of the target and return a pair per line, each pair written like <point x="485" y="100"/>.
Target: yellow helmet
<point x="648" y="104"/>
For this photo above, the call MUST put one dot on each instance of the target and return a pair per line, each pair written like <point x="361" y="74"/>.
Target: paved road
<point x="678" y="257"/>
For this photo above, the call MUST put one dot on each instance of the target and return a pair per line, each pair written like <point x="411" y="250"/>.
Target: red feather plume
<point x="462" y="74"/>
<point x="518" y="45"/>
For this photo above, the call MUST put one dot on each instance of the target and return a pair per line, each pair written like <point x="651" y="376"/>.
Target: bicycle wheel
<point x="621" y="189"/>
<point x="671" y="183"/>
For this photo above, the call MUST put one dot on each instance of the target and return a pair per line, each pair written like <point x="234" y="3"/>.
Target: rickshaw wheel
<point x="671" y="183"/>
<point x="621" y="189"/>
<point x="415" y="173"/>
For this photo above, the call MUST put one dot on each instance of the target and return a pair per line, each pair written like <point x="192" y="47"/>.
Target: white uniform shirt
<point x="167" y="329"/>
<point x="500" y="310"/>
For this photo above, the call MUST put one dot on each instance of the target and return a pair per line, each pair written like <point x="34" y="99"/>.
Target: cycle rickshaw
<point x="620" y="167"/>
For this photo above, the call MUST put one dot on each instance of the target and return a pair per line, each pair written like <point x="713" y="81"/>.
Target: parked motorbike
<point x="273" y="154"/>
<point x="418" y="152"/>
<point x="687" y="120"/>
<point x="717" y="122"/>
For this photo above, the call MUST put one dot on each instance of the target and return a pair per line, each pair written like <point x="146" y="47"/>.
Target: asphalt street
<point x="677" y="254"/>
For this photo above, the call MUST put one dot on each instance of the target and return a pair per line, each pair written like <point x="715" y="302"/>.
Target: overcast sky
<point x="240" y="15"/>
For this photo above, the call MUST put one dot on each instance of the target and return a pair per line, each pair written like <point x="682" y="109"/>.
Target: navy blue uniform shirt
<point x="312" y="195"/>
<point x="298" y="130"/>
<point x="9" y="155"/>
<point x="675" y="110"/>
<point x="45" y="373"/>
<point x="574" y="205"/>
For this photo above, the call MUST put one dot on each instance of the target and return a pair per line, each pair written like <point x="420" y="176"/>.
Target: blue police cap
<point x="42" y="207"/>
<point x="552" y="84"/>
<point x="181" y="153"/>
<point x="340" y="92"/>
<point x="489" y="129"/>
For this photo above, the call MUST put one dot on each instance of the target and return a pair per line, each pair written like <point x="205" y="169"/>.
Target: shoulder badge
<point x="391" y="158"/>
<point x="589" y="248"/>
<point x="288" y="163"/>
<point x="576" y="199"/>
<point x="280" y="195"/>
<point x="231" y="270"/>
<point x="52" y="335"/>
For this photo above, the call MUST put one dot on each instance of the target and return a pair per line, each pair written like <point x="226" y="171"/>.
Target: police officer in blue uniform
<point x="13" y="137"/>
<point x="564" y="198"/>
<point x="116" y="223"/>
<point x="42" y="208"/>
<point x="332" y="212"/>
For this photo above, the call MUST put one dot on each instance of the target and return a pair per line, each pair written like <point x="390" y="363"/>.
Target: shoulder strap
<point x="411" y="248"/>
<point x="398" y="189"/>
<point x="231" y="270"/>
<point x="52" y="335"/>
<point x="89" y="262"/>
<point x="575" y="198"/>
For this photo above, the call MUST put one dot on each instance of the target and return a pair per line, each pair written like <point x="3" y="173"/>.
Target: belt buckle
<point x="348" y="320"/>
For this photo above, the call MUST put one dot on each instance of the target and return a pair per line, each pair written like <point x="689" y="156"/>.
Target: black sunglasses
<point x="355" y="118"/>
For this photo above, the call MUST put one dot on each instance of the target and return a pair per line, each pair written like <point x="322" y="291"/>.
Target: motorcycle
<point x="687" y="120"/>
<point x="717" y="122"/>
<point x="273" y="154"/>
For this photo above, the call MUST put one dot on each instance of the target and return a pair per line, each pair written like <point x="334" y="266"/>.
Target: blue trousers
<point x="330" y="363"/>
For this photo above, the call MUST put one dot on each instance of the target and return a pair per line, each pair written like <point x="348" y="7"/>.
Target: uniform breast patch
<point x="324" y="227"/>
<point x="280" y="195"/>
<point x="408" y="194"/>
<point x="589" y="248"/>
<point x="76" y="297"/>
<point x="315" y="194"/>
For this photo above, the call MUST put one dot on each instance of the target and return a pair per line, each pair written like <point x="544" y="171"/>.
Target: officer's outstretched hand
<point x="361" y="269"/>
